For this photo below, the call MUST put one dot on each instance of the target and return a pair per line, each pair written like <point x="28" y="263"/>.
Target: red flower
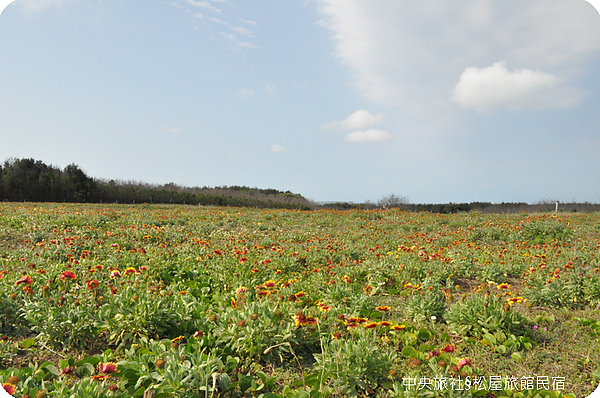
<point x="67" y="275"/>
<point x="397" y="327"/>
<point x="370" y="325"/>
<point x="434" y="353"/>
<point x="25" y="279"/>
<point x="114" y="274"/>
<point x="449" y="348"/>
<point x="92" y="284"/>
<point x="67" y="371"/>
<point x="463" y="362"/>
<point x="108" y="367"/>
<point x="9" y="388"/>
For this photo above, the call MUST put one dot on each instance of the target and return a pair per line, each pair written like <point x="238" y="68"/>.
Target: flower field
<point x="188" y="301"/>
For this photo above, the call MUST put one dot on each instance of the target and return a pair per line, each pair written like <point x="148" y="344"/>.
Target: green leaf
<point x="52" y="369"/>
<point x="409" y="352"/>
<point x="489" y="338"/>
<point x="516" y="357"/>
<point x="245" y="383"/>
<point x="84" y="369"/>
<point x="424" y="334"/>
<point x="224" y="381"/>
<point x="27" y="343"/>
<point x="501" y="349"/>
<point x="93" y="360"/>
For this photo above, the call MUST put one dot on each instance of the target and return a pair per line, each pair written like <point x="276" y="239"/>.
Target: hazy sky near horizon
<point x="350" y="100"/>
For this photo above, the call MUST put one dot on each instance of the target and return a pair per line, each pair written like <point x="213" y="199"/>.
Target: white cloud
<point x="271" y="89"/>
<point x="243" y="31"/>
<point x="204" y="4"/>
<point x="277" y="148"/>
<point x="248" y="22"/>
<point x="495" y="86"/>
<point x="239" y="43"/>
<point x="370" y="135"/>
<point x="171" y="130"/>
<point x="359" y="120"/>
<point x="245" y="93"/>
<point x="409" y="53"/>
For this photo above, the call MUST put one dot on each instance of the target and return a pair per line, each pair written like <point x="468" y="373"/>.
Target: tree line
<point x="30" y="180"/>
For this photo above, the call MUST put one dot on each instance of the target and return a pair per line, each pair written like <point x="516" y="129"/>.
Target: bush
<point x="477" y="315"/>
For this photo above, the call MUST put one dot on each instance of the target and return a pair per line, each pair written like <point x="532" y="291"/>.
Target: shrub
<point x="477" y="315"/>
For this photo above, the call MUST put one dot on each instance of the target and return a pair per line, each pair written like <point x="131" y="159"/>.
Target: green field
<point x="188" y="301"/>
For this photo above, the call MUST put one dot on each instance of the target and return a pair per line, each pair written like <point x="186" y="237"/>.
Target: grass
<point x="281" y="303"/>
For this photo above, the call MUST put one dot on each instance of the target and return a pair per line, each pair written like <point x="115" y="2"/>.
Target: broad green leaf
<point x="489" y="338"/>
<point x="27" y="343"/>
<point x="409" y="352"/>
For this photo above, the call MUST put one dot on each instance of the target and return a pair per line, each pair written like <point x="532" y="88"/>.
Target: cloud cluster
<point x="358" y="127"/>
<point x="275" y="148"/>
<point x="419" y="54"/>
<point x="236" y="30"/>
<point x="485" y="89"/>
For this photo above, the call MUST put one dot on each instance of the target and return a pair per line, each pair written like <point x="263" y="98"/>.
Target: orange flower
<point x="397" y="327"/>
<point x="383" y="308"/>
<point x="67" y="275"/>
<point x="370" y="325"/>
<point x="25" y="279"/>
<point x="368" y="289"/>
<point x="503" y="286"/>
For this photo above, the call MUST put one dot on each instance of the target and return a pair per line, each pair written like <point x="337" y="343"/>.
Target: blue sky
<point x="350" y="100"/>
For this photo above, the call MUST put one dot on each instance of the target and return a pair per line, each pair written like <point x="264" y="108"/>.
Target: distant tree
<point x="387" y="202"/>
